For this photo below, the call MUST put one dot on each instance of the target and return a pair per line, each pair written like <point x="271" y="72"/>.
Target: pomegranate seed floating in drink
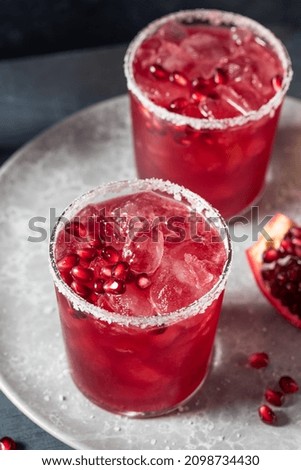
<point x="204" y="69"/>
<point x="139" y="313"/>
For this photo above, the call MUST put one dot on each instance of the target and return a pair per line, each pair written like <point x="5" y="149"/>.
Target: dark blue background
<point x="39" y="26"/>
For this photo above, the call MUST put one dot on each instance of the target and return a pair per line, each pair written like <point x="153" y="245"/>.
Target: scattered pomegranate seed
<point x="67" y="262"/>
<point x="267" y="415"/>
<point x="143" y="281"/>
<point x="114" y="286"/>
<point x="120" y="270"/>
<point x="220" y="76"/>
<point x="270" y="255"/>
<point x="277" y="82"/>
<point x="288" y="385"/>
<point x="158" y="72"/>
<point x="98" y="286"/>
<point x="178" y="104"/>
<point x="79" y="273"/>
<point x="178" y="78"/>
<point x="258" y="360"/>
<point x="7" y="443"/>
<point x="274" y="397"/>
<point x="87" y="253"/>
<point x="80" y="289"/>
<point x="110" y="254"/>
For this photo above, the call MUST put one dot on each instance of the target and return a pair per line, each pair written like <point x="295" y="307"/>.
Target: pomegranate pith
<point x="276" y="265"/>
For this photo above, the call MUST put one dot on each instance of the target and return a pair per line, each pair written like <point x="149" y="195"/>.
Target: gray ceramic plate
<point x="90" y="148"/>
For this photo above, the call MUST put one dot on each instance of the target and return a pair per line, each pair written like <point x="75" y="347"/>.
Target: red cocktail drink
<point x="206" y="89"/>
<point x="139" y="269"/>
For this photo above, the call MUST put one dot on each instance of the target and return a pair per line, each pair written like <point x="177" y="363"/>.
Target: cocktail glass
<point x="223" y="160"/>
<point x="140" y="366"/>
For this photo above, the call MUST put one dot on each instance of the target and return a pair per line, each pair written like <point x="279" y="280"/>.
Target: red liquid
<point x="128" y="369"/>
<point x="209" y="73"/>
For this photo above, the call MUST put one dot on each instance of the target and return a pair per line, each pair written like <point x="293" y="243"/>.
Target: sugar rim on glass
<point x="216" y="18"/>
<point x="179" y="193"/>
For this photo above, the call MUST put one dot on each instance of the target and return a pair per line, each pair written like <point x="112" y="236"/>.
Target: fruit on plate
<point x="276" y="265"/>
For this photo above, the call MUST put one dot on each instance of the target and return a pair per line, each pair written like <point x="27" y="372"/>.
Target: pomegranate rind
<point x="276" y="228"/>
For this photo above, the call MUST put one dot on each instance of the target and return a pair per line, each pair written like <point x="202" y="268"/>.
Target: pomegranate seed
<point x="80" y="289"/>
<point x="7" y="443"/>
<point x="143" y="281"/>
<point x="178" y="104"/>
<point x="76" y="228"/>
<point x="158" y="72"/>
<point x="198" y="96"/>
<point x="96" y="243"/>
<point x="79" y="273"/>
<point x="274" y="397"/>
<point x="286" y="246"/>
<point x="93" y="298"/>
<point x="296" y="241"/>
<point x="270" y="255"/>
<point x="258" y="360"/>
<point x="178" y="78"/>
<point x="201" y="87"/>
<point x="87" y="253"/>
<point x="98" y="286"/>
<point x="277" y="82"/>
<point x="220" y="77"/>
<point x="288" y="385"/>
<point x="192" y="111"/>
<point x="120" y="270"/>
<point x="110" y="254"/>
<point x="66" y="276"/>
<point x="114" y="286"/>
<point x="106" y="271"/>
<point x="267" y="415"/>
<point x="296" y="232"/>
<point x="67" y="262"/>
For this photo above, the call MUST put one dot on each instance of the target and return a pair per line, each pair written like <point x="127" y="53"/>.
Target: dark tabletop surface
<point x="37" y="92"/>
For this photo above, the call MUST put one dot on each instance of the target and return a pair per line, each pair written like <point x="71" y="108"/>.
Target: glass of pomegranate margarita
<point x="139" y="269"/>
<point x="206" y="89"/>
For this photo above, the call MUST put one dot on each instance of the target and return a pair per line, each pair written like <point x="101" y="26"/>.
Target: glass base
<point x="149" y="414"/>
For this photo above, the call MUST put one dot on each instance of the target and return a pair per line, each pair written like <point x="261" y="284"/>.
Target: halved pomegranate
<point x="276" y="265"/>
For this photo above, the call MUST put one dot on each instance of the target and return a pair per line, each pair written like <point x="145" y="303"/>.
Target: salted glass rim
<point x="178" y="193"/>
<point x="216" y="18"/>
